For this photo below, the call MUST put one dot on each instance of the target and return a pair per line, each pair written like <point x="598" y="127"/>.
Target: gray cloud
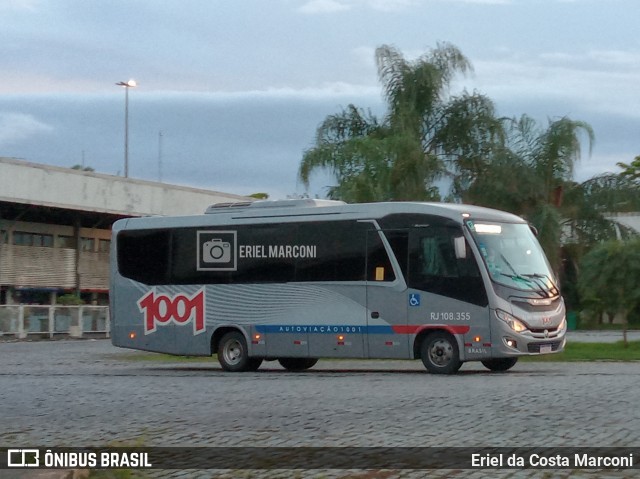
<point x="18" y="127"/>
<point x="238" y="88"/>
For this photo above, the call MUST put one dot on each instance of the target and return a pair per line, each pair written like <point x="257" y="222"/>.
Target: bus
<point x="299" y="280"/>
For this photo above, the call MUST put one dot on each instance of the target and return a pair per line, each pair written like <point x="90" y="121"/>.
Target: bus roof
<point x="264" y="212"/>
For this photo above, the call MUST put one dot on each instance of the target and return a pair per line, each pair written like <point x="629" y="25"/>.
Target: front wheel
<point x="297" y="364"/>
<point x="439" y="353"/>
<point x="501" y="364"/>
<point x="233" y="355"/>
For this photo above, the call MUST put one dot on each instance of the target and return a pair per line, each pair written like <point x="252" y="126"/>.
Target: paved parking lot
<point x="88" y="393"/>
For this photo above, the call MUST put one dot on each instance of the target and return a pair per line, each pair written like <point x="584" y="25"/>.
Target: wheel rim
<point x="440" y="352"/>
<point x="232" y="352"/>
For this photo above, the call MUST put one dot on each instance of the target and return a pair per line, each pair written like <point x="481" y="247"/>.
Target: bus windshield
<point x="513" y="256"/>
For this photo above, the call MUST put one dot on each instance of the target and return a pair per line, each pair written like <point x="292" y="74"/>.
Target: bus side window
<point x="340" y="254"/>
<point x="435" y="257"/>
<point x="144" y="255"/>
<point x="399" y="242"/>
<point x="434" y="267"/>
<point x="378" y="265"/>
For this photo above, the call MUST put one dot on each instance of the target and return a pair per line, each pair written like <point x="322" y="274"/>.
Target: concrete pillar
<point x="22" y="334"/>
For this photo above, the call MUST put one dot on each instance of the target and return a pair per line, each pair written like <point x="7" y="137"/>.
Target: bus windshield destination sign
<point x="299" y="280"/>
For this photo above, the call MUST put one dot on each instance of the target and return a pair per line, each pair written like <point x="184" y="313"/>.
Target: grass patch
<point x="125" y="473"/>
<point x="606" y="327"/>
<point x="117" y="474"/>
<point x="593" y="352"/>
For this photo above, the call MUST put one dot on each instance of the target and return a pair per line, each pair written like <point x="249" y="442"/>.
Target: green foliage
<point x="611" y="192"/>
<point x="424" y="135"/>
<point x="529" y="175"/>
<point x="259" y="196"/>
<point x="547" y="219"/>
<point x="69" y="300"/>
<point x="610" y="277"/>
<point x="593" y="352"/>
<point x="631" y="171"/>
<point x="117" y="474"/>
<point x="82" y="168"/>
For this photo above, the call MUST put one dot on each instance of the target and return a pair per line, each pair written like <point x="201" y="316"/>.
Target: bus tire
<point x="233" y="354"/>
<point x="500" y="364"/>
<point x="439" y="353"/>
<point x="297" y="364"/>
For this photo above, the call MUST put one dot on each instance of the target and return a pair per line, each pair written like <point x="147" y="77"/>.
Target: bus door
<point x="447" y="287"/>
<point x="386" y="294"/>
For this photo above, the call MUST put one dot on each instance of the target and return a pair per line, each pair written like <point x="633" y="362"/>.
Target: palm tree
<point x="424" y="135"/>
<point x="354" y="147"/>
<point x="529" y="174"/>
<point x="631" y="171"/>
<point x="589" y="204"/>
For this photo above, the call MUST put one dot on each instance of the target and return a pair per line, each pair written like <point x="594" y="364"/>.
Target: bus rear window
<point x="143" y="255"/>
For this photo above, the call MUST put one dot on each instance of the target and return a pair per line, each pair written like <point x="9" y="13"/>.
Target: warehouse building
<point x="55" y="226"/>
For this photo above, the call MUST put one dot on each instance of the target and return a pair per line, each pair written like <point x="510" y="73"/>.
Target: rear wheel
<point x="501" y="364"/>
<point x="439" y="353"/>
<point x="233" y="354"/>
<point x="297" y="364"/>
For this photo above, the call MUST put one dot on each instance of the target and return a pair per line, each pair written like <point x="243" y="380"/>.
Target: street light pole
<point x="126" y="86"/>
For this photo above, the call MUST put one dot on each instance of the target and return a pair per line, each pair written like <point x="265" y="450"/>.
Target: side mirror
<point x="460" y="245"/>
<point x="534" y="230"/>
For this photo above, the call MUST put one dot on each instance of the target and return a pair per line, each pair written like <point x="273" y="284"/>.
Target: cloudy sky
<point x="230" y="93"/>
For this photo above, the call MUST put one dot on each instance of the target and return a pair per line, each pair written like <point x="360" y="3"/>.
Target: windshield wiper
<point x="537" y="277"/>
<point x="535" y="286"/>
<point x="524" y="277"/>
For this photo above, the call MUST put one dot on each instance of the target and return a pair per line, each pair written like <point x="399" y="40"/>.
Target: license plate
<point x="545" y="348"/>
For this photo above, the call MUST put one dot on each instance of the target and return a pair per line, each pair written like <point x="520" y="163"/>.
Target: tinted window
<point x="399" y="242"/>
<point x="323" y="251"/>
<point x="144" y="255"/>
<point x="341" y="247"/>
<point x="263" y="256"/>
<point x="433" y="266"/>
<point x="378" y="265"/>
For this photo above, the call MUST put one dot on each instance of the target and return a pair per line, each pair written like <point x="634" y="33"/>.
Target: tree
<point x="82" y="168"/>
<point x="424" y="135"/>
<point x="355" y="148"/>
<point x="529" y="174"/>
<point x="588" y="220"/>
<point x="610" y="278"/>
<point x="631" y="171"/>
<point x="589" y="204"/>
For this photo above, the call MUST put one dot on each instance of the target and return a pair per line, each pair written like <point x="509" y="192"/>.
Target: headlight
<point x="563" y="325"/>
<point x="515" y="324"/>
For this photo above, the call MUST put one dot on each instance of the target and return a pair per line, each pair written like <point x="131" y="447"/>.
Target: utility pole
<point x="160" y="156"/>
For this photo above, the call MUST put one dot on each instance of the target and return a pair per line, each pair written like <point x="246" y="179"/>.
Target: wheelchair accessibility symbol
<point x="414" y="299"/>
